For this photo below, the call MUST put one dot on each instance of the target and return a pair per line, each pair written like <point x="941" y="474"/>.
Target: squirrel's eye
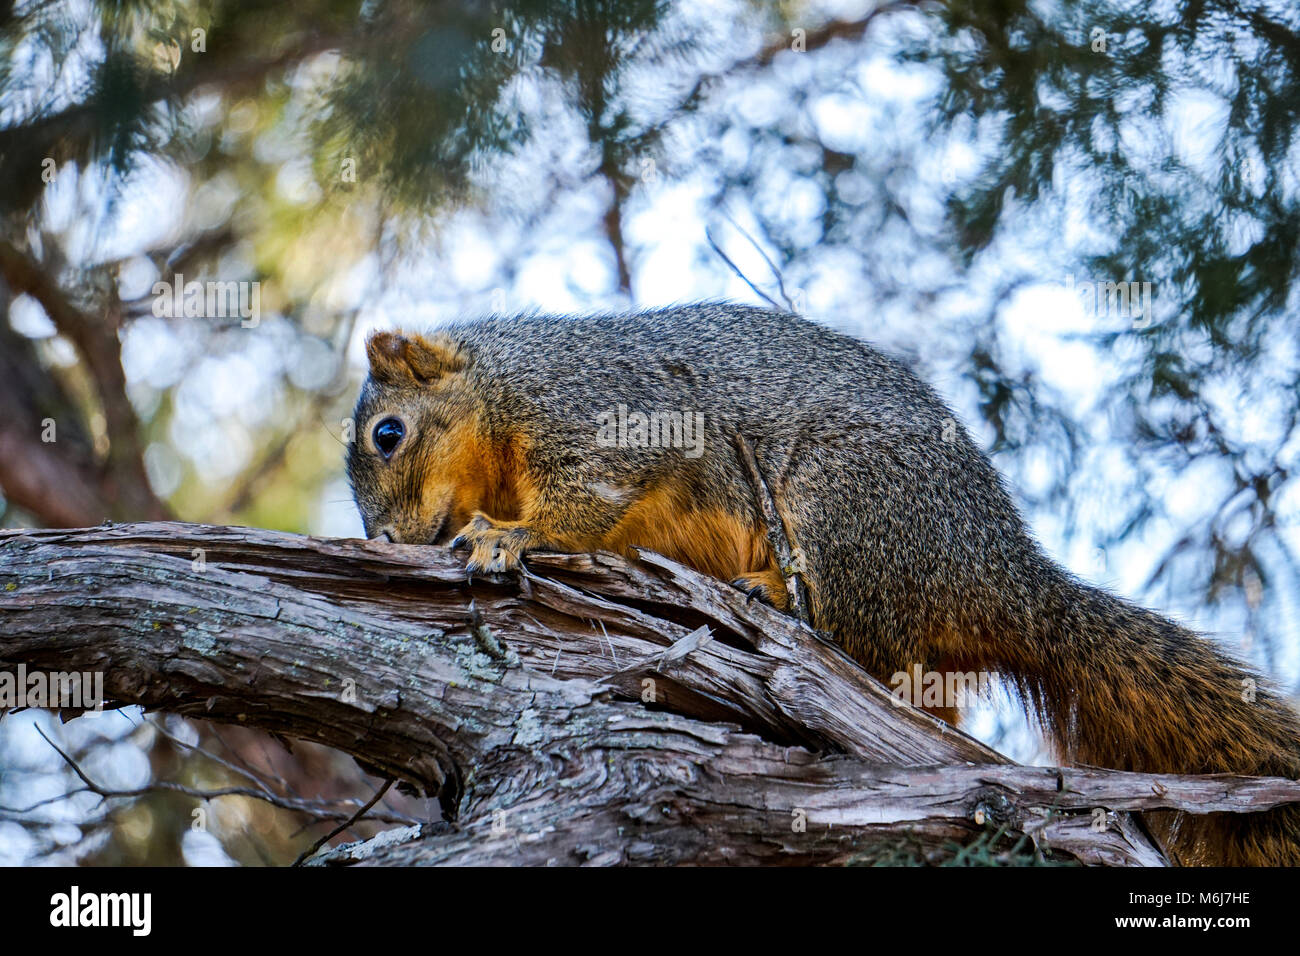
<point x="388" y="434"/>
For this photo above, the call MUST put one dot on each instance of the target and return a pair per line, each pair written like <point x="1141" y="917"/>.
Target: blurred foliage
<point x="331" y="150"/>
<point x="991" y="846"/>
<point x="1088" y="107"/>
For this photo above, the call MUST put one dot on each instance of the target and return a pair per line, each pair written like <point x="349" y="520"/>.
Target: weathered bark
<point x="592" y="710"/>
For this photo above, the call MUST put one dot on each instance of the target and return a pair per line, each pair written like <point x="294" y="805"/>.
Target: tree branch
<point x="58" y="482"/>
<point x="577" y="714"/>
<point x="125" y="481"/>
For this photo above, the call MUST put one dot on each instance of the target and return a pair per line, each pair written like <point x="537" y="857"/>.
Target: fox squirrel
<point x="547" y="433"/>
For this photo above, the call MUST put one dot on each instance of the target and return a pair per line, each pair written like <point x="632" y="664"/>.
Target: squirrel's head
<point x="416" y="462"/>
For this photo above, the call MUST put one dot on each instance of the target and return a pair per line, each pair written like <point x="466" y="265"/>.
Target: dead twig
<point x="319" y="810"/>
<point x="379" y="795"/>
<point x="788" y="557"/>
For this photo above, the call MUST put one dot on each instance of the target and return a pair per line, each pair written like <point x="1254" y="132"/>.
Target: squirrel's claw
<point x="767" y="585"/>
<point x="751" y="590"/>
<point x="498" y="562"/>
<point x="494" y="549"/>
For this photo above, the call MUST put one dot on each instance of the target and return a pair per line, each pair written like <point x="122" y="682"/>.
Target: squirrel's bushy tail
<point x="1120" y="686"/>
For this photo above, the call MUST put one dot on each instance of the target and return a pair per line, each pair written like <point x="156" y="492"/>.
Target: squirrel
<point x="614" y="432"/>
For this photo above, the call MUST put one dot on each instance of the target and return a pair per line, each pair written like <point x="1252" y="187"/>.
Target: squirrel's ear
<point x="399" y="359"/>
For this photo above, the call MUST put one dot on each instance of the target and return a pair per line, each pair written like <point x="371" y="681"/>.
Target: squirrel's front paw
<point x="495" y="547"/>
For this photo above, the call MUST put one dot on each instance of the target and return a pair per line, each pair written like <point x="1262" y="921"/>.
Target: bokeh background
<point x="941" y="178"/>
